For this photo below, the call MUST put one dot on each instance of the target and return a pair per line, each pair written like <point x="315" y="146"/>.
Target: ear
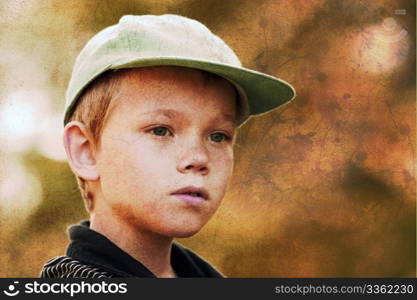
<point x="80" y="151"/>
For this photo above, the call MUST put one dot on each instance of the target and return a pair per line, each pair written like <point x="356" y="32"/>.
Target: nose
<point x="193" y="158"/>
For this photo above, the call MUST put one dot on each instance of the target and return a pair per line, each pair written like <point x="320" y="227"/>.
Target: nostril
<point x="201" y="169"/>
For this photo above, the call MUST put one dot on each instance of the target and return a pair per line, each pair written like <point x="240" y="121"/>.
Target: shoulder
<point x="67" y="267"/>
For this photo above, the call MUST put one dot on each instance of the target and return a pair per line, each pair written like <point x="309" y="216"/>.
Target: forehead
<point x="170" y="89"/>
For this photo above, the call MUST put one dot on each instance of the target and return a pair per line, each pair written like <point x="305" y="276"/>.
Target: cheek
<point x="124" y="167"/>
<point x="129" y="153"/>
<point x="222" y="169"/>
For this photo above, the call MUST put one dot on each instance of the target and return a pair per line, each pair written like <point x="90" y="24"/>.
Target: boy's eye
<point x="218" y="137"/>
<point x="161" y="131"/>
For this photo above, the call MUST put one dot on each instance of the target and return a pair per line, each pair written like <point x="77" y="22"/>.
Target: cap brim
<point x="263" y="92"/>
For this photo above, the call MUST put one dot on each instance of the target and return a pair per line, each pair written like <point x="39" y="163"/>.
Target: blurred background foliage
<point x="324" y="186"/>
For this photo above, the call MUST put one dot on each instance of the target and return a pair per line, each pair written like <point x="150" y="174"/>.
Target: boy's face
<point x="168" y="131"/>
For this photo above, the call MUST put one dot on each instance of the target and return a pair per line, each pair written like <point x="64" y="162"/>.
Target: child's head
<point x="163" y="134"/>
<point x="148" y="133"/>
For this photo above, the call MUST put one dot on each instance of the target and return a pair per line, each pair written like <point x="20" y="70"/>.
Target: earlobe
<point x="80" y="152"/>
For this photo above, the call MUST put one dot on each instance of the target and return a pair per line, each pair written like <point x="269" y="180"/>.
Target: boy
<point x="151" y="115"/>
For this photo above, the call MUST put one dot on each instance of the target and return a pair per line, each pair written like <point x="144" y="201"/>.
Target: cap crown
<point x="146" y="37"/>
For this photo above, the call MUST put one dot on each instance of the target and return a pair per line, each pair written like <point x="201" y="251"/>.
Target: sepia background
<point x="324" y="186"/>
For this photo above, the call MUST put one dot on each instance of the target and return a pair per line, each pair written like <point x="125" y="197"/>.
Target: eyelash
<point x="153" y="130"/>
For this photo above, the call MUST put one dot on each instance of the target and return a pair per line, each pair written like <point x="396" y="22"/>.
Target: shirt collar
<point x="91" y="247"/>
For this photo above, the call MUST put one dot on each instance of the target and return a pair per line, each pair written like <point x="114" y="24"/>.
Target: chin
<point x="185" y="234"/>
<point x="182" y="230"/>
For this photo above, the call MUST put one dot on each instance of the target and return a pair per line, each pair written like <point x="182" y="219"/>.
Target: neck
<point x="152" y="250"/>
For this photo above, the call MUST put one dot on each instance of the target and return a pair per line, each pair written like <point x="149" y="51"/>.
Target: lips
<point x="193" y="192"/>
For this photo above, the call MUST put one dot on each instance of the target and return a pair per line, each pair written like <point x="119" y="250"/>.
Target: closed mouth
<point x="193" y="191"/>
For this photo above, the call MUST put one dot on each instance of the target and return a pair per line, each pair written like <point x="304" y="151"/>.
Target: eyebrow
<point x="171" y="114"/>
<point x="226" y="117"/>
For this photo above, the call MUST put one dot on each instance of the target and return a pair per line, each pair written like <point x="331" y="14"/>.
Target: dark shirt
<point x="92" y="255"/>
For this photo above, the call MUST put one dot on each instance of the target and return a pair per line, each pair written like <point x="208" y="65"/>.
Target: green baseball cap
<point x="172" y="40"/>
